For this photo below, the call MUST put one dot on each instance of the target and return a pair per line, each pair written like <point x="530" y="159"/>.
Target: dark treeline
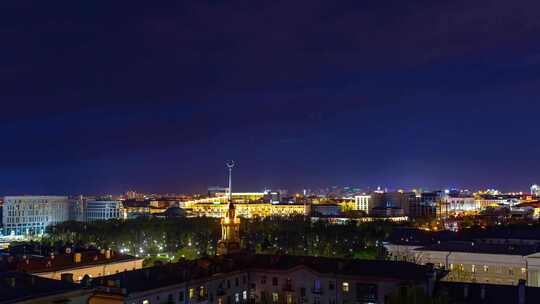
<point x="195" y="237"/>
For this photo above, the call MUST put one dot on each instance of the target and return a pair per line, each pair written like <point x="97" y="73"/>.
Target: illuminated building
<point x="363" y="203"/>
<point x="230" y="225"/>
<point x="33" y="214"/>
<point x="104" y="210"/>
<point x="535" y="190"/>
<point x="475" y="261"/>
<point x="250" y="210"/>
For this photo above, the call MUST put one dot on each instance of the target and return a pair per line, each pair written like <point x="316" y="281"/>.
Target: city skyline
<point x="302" y="95"/>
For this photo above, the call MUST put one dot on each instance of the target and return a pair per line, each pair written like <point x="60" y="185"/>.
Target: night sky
<point x="106" y="96"/>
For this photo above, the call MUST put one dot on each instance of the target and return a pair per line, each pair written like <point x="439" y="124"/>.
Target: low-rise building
<point x="250" y="210"/>
<point x="481" y="262"/>
<point x="78" y="264"/>
<point x="18" y="287"/>
<point x="247" y="278"/>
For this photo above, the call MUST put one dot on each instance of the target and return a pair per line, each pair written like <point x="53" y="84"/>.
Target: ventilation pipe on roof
<point x="521" y="291"/>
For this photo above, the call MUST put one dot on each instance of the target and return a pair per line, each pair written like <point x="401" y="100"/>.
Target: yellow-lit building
<point x="249" y="210"/>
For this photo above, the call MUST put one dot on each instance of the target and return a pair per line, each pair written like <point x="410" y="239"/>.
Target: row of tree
<point x="195" y="237"/>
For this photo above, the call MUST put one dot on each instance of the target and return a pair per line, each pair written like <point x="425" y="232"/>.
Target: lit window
<point x="145" y="302"/>
<point x="523" y="270"/>
<point x="486" y="268"/>
<point x="244" y="295"/>
<point x="191" y="293"/>
<point x="237" y="297"/>
<point x="275" y="297"/>
<point x="345" y="287"/>
<point x="473" y="268"/>
<point x="201" y="291"/>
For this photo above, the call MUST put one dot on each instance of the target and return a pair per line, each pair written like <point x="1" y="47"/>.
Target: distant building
<point x="363" y="203"/>
<point x="535" y="190"/>
<point x="249" y="210"/>
<point x="104" y="210"/>
<point x="33" y="214"/>
<point x="325" y="210"/>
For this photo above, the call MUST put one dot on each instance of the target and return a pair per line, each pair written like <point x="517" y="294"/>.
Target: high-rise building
<point x="33" y="214"/>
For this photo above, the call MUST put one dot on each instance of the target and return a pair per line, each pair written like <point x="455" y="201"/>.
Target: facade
<point x="250" y="210"/>
<point x="476" y="262"/>
<point x="104" y="210"/>
<point x="325" y="210"/>
<point x="91" y="263"/>
<point x="458" y="204"/>
<point x="363" y="203"/>
<point x="245" y="278"/>
<point x="33" y="214"/>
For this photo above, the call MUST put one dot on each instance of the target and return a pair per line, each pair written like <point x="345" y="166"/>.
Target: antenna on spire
<point x="230" y="165"/>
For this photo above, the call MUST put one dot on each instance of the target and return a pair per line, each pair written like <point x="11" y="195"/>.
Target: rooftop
<point x="16" y="286"/>
<point x="169" y="274"/>
<point x="474" y="247"/>
<point x="38" y="263"/>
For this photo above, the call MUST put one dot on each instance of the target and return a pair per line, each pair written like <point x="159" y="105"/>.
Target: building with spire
<point x="230" y="225"/>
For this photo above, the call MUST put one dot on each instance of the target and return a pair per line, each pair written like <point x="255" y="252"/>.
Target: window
<point x="331" y="285"/>
<point x="317" y="285"/>
<point x="244" y="295"/>
<point x="275" y="297"/>
<point x="486" y="268"/>
<point x="228" y="283"/>
<point x="263" y="280"/>
<point x="191" y="293"/>
<point x="244" y="279"/>
<point x="181" y="296"/>
<point x="236" y="281"/>
<point x="289" y="298"/>
<point x="274" y="281"/>
<point x="170" y="298"/>
<point x="145" y="302"/>
<point x="236" y="297"/>
<point x="201" y="291"/>
<point x="473" y="268"/>
<point x="366" y="292"/>
<point x="302" y="292"/>
<point x="523" y="270"/>
<point x="345" y="287"/>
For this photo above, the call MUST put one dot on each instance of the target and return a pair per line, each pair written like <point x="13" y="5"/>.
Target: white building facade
<point x="104" y="210"/>
<point x="24" y="215"/>
<point x="363" y="203"/>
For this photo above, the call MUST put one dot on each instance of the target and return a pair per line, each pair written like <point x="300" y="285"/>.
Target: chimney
<point x="521" y="291"/>
<point x="67" y="277"/>
<point x="77" y="257"/>
<point x="431" y="275"/>
<point x="483" y="292"/>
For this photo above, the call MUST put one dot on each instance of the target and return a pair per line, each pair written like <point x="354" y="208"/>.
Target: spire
<point x="230" y="225"/>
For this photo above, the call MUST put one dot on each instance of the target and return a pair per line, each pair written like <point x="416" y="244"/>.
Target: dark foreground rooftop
<point x="17" y="286"/>
<point x="169" y="274"/>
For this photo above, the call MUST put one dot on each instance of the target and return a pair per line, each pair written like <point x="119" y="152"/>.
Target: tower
<point x="230" y="224"/>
